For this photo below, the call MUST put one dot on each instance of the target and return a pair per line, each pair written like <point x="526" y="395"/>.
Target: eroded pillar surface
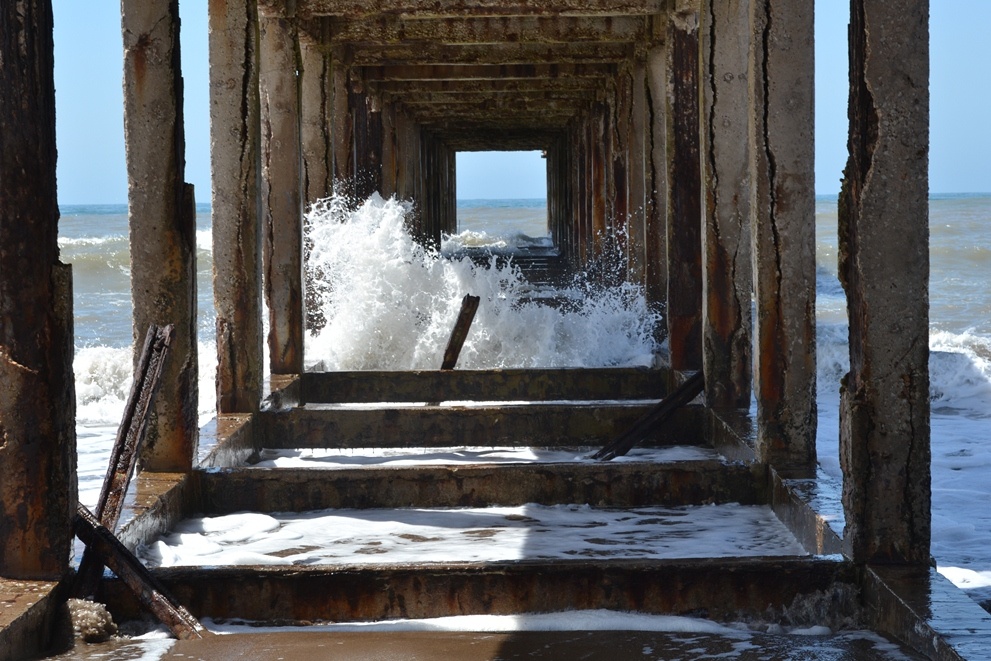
<point x="235" y="144"/>
<point x="162" y="222"/>
<point x="784" y="232"/>
<point x="281" y="192"/>
<point x="37" y="402"/>
<point x="728" y="191"/>
<point x="884" y="268"/>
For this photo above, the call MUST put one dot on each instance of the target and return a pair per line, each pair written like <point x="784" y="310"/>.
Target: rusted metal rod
<point x="469" y="305"/>
<point x="681" y="396"/>
<point x="124" y="457"/>
<point x="149" y="591"/>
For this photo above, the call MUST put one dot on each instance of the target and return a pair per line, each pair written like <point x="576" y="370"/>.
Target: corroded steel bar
<point x="37" y="405"/>
<point x="884" y="267"/>
<point x="162" y="222"/>
<point x="282" y="207"/>
<point x="727" y="164"/>
<point x="124" y="456"/>
<point x="784" y="234"/>
<point x="235" y="145"/>
<point x="142" y="583"/>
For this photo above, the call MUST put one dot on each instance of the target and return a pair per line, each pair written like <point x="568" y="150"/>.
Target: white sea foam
<point x="390" y="303"/>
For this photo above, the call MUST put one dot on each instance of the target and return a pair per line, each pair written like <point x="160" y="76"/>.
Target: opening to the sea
<point x="501" y="201"/>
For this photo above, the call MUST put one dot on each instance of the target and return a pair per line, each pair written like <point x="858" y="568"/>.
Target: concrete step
<point x="541" y="424"/>
<point x="614" y="484"/>
<point x="607" y="383"/>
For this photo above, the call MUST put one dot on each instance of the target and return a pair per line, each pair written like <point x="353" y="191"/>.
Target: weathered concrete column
<point x="884" y="267"/>
<point x="235" y="147"/>
<point x="636" y="173"/>
<point x="389" y="150"/>
<point x="282" y="208"/>
<point x="684" y="218"/>
<point x="597" y="185"/>
<point x="315" y="97"/>
<point x="367" y="124"/>
<point x="657" y="170"/>
<point x="728" y="191"/>
<point x="37" y="401"/>
<point x="342" y="127"/>
<point x="784" y="232"/>
<point x="162" y="221"/>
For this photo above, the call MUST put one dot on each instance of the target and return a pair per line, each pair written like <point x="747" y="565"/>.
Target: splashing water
<point x="390" y="303"/>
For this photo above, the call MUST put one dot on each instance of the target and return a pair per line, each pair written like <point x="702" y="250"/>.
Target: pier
<point x="677" y="134"/>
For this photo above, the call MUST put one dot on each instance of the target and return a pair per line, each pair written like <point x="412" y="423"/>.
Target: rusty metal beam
<point x="456" y="8"/>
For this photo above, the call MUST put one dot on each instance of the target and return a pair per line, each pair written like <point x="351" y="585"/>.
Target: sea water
<point x="388" y="303"/>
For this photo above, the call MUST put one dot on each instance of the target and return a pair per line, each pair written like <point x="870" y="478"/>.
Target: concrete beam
<point x="727" y="166"/>
<point x="162" y="221"/>
<point x="784" y="233"/>
<point x="37" y="404"/>
<point x="282" y="209"/>
<point x="391" y="29"/>
<point x="456" y="8"/>
<point x="428" y="53"/>
<point x="235" y="148"/>
<point x="884" y="267"/>
<point x="500" y="72"/>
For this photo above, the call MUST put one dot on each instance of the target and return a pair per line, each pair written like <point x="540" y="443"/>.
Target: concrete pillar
<point x="784" y="232"/>
<point x="884" y="267"/>
<point x="316" y="92"/>
<point x="162" y="221"/>
<point x="727" y="160"/>
<point x="636" y="173"/>
<point x="234" y="133"/>
<point x="684" y="218"/>
<point x="282" y="208"/>
<point x="341" y="134"/>
<point x="657" y="170"/>
<point x="598" y="183"/>
<point x="367" y="127"/>
<point x="37" y="401"/>
<point x="389" y="150"/>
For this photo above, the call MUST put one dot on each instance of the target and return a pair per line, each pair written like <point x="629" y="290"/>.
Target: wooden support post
<point x="234" y="129"/>
<point x="727" y="165"/>
<point x="884" y="267"/>
<point x="124" y="457"/>
<point x="469" y="306"/>
<point x="784" y="233"/>
<point x="148" y="589"/>
<point x="37" y="405"/>
<point x="162" y="221"/>
<point x="657" y="171"/>
<point x="684" y="233"/>
<point x="282" y="209"/>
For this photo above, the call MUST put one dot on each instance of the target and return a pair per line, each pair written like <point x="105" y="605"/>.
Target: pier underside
<point x="678" y="141"/>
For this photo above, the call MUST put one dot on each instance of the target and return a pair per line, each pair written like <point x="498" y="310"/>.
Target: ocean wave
<point x="390" y="303"/>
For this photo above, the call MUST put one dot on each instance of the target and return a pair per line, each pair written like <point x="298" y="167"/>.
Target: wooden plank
<point x="124" y="457"/>
<point x="149" y="591"/>
<point x="681" y="396"/>
<point x="469" y="305"/>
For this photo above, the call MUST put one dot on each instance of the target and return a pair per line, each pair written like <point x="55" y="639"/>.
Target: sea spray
<point x="389" y="303"/>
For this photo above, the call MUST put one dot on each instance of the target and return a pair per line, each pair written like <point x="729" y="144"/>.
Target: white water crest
<point x="390" y="303"/>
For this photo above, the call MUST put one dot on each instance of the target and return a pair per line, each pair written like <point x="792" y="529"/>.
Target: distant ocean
<point x="93" y="238"/>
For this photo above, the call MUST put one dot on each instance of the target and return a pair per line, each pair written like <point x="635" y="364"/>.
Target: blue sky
<point x="90" y="122"/>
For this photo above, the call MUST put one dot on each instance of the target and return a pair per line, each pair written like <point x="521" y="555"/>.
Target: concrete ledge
<point x="33" y="619"/>
<point x="230" y="439"/>
<point x="926" y="612"/>
<point x="160" y="501"/>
